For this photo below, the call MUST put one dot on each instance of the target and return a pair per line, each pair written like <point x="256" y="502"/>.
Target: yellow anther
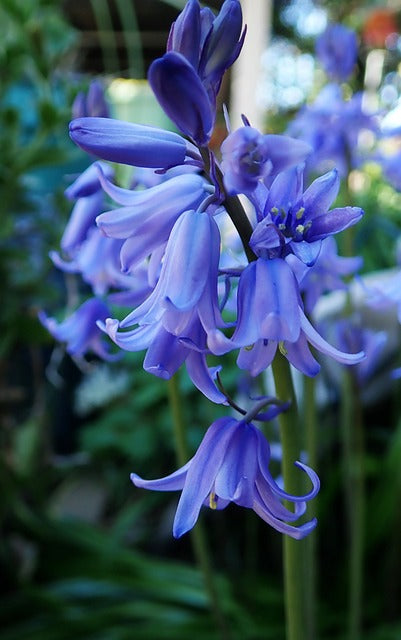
<point x="281" y="226"/>
<point x="213" y="501"/>
<point x="274" y="210"/>
<point x="300" y="228"/>
<point x="249" y="347"/>
<point x="300" y="213"/>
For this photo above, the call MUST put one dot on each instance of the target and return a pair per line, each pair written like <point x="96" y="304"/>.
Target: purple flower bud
<point x="185" y="33"/>
<point x="183" y="97"/>
<point x="91" y="104"/>
<point x="128" y="143"/>
<point x="223" y="43"/>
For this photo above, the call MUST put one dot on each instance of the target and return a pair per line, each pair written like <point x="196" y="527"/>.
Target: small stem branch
<point x="198" y="538"/>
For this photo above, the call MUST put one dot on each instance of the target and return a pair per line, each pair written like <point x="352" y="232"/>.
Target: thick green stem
<point x="293" y="550"/>
<point x="310" y="436"/>
<point x="353" y="455"/>
<point x="197" y="534"/>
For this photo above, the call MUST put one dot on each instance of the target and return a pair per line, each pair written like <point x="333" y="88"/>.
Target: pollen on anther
<point x="213" y="501"/>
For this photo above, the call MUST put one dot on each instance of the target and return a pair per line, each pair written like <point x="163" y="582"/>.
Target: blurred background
<point x="82" y="552"/>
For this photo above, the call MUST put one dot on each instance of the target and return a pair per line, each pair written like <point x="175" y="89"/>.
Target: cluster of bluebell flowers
<point x="162" y="252"/>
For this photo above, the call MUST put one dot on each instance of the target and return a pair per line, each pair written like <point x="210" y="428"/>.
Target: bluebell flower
<point x="133" y="144"/>
<point x="187" y="78"/>
<point x="337" y="50"/>
<point x="148" y="216"/>
<point x="332" y="127"/>
<point x="232" y="465"/>
<point x="352" y="335"/>
<point x="98" y="261"/>
<point x="248" y="157"/>
<point x="296" y="221"/>
<point x="87" y="190"/>
<point x="188" y="278"/>
<point x="270" y="317"/>
<point x="80" y="331"/>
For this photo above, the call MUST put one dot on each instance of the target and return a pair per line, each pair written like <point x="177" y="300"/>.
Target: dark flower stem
<point x="198" y="538"/>
<point x="293" y="550"/>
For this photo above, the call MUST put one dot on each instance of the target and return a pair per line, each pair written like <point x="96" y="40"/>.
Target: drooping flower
<point x="80" y="331"/>
<point x="188" y="278"/>
<point x="232" y="465"/>
<point x="337" y="50"/>
<point x="270" y="316"/>
<point x="148" y="216"/>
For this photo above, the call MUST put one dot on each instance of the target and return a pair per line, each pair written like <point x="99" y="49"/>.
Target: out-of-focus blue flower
<point x="93" y="103"/>
<point x="332" y="127"/>
<point x="326" y="274"/>
<point x="270" y="316"/>
<point x="353" y="335"/>
<point x="187" y="78"/>
<point x="296" y="221"/>
<point x="98" y="261"/>
<point x="132" y="144"/>
<point x="391" y="167"/>
<point x="232" y="465"/>
<point x="248" y="157"/>
<point x="337" y="50"/>
<point x="80" y="331"/>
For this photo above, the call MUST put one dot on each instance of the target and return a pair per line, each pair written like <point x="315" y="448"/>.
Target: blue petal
<point x="173" y="482"/>
<point x="202" y="473"/>
<point x="321" y="194"/>
<point x="320" y="343"/>
<point x="267" y="303"/>
<point x="88" y="182"/>
<point x="332" y="222"/>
